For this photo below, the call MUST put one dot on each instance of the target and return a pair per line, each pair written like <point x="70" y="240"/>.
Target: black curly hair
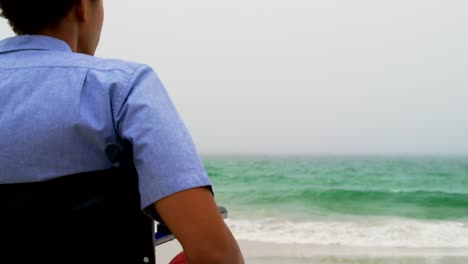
<point x="32" y="16"/>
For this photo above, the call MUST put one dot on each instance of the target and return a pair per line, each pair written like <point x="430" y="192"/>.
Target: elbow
<point x="208" y="259"/>
<point x="216" y="255"/>
<point x="215" y="259"/>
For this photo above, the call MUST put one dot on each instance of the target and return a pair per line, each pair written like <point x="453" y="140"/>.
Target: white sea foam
<point x="362" y="232"/>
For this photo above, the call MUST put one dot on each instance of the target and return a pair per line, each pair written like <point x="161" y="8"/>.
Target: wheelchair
<point x="91" y="217"/>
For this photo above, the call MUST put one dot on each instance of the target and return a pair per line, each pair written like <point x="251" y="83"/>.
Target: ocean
<point x="407" y="202"/>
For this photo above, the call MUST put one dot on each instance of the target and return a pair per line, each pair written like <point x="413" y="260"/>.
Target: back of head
<point x="32" y="16"/>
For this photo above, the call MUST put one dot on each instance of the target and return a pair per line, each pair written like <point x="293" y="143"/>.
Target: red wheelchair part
<point x="179" y="259"/>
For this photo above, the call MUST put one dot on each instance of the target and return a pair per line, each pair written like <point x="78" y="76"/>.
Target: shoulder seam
<point x="125" y="92"/>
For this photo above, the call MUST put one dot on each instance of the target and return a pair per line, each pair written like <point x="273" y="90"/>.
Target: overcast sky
<point x="305" y="76"/>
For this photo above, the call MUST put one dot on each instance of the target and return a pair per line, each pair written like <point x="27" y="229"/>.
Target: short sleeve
<point x="163" y="151"/>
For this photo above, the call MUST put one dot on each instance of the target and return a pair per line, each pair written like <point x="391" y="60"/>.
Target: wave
<point x="413" y="204"/>
<point x="361" y="232"/>
<point x="356" y="194"/>
<point x="303" y="188"/>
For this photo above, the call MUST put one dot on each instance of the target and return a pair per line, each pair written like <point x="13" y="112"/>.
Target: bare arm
<point x="193" y="217"/>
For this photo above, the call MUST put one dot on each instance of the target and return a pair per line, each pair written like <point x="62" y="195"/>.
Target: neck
<point x="64" y="31"/>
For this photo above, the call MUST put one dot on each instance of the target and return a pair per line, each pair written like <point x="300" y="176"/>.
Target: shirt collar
<point x="33" y="42"/>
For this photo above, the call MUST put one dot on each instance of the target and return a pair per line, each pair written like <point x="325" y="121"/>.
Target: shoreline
<point x="264" y="252"/>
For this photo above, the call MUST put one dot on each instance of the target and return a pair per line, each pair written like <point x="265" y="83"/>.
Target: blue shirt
<point x="58" y="109"/>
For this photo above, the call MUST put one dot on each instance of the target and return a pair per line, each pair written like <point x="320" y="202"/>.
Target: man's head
<point x="78" y="22"/>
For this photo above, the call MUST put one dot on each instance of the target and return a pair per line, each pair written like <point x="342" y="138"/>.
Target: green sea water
<point x="304" y="188"/>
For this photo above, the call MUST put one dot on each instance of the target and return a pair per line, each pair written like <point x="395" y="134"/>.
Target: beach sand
<point x="271" y="253"/>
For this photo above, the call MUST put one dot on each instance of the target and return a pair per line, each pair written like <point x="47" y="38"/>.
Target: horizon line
<point x="333" y="154"/>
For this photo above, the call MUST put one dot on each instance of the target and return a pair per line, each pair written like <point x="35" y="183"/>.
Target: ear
<point x="81" y="10"/>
